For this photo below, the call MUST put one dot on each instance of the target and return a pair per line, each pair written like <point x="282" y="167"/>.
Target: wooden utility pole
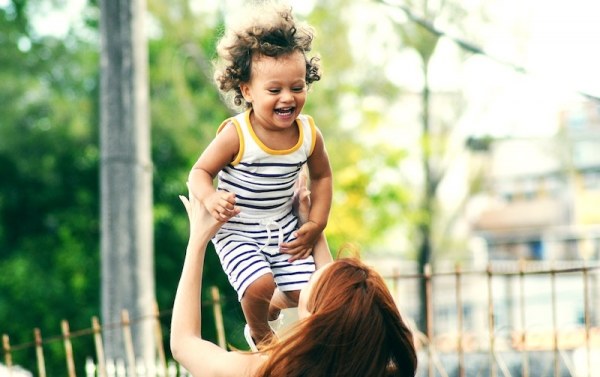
<point x="127" y="255"/>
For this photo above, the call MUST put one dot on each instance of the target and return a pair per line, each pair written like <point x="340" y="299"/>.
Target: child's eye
<point x="274" y="91"/>
<point x="298" y="89"/>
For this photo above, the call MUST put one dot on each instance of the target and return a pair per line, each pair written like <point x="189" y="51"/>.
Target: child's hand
<point x="302" y="246"/>
<point x="201" y="222"/>
<point x="221" y="205"/>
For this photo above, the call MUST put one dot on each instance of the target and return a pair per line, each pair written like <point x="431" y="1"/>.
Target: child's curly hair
<point x="268" y="30"/>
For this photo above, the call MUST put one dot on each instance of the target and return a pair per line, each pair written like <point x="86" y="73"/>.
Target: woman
<point x="348" y="322"/>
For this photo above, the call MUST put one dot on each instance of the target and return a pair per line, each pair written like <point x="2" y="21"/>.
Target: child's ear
<point x="245" y="89"/>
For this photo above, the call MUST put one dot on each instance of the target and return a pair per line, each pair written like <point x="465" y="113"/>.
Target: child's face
<point x="277" y="89"/>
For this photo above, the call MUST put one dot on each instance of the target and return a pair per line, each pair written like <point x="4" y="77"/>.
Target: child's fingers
<point x="303" y="254"/>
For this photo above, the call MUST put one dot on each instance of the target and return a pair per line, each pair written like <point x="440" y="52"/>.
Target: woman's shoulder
<point x="242" y="364"/>
<point x="230" y="364"/>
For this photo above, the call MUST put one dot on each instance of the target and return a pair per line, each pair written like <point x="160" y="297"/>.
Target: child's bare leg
<point x="282" y="300"/>
<point x="255" y="304"/>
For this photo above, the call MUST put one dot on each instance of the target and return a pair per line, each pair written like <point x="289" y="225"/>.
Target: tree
<point x="186" y="111"/>
<point x="126" y="175"/>
<point x="419" y="35"/>
<point x="367" y="198"/>
<point x="49" y="186"/>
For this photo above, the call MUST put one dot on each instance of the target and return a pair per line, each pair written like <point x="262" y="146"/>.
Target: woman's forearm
<point x="186" y="318"/>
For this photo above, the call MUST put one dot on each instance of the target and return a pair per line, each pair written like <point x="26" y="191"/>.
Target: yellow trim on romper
<point x="313" y="133"/>
<point x="238" y="129"/>
<point x="275" y="151"/>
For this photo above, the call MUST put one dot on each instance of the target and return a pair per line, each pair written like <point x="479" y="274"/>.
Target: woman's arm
<point x="199" y="356"/>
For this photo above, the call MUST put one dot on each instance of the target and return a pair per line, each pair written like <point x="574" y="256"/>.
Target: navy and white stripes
<point x="263" y="181"/>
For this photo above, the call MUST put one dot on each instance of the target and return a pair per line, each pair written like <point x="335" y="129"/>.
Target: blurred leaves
<point x="49" y="157"/>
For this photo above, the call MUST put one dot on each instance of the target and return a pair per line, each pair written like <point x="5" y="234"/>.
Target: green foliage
<point x="49" y="186"/>
<point x="186" y="111"/>
<point x="49" y="162"/>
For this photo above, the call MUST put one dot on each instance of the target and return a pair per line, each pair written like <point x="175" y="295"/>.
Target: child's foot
<point x="277" y="324"/>
<point x="249" y="339"/>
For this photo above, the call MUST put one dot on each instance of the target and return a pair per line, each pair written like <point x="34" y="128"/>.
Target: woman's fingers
<point x="186" y="203"/>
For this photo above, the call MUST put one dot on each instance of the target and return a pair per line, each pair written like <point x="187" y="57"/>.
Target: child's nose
<point x="287" y="96"/>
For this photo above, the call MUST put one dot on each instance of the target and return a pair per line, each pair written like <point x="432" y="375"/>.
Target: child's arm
<point x="321" y="192"/>
<point x="221" y="151"/>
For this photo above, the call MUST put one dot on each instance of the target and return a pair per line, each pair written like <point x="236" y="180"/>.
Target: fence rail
<point x="506" y="343"/>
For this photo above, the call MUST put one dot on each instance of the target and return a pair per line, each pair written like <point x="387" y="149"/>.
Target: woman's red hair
<point x="355" y="329"/>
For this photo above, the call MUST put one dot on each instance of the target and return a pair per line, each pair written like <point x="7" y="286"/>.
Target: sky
<point x="557" y="42"/>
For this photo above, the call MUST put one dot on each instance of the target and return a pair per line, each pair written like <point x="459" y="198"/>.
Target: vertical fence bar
<point x="586" y="318"/>
<point x="158" y="337"/>
<point x="68" y="348"/>
<point x="554" y="323"/>
<point x="39" y="352"/>
<point x="524" y="352"/>
<point x="99" y="345"/>
<point x="459" y="320"/>
<point x="128" y="341"/>
<point x="395" y="275"/>
<point x="429" y="318"/>
<point x="7" y="353"/>
<point x="491" y="323"/>
<point x="218" y="313"/>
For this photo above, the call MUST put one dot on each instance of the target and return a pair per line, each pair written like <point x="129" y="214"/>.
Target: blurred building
<point x="542" y="205"/>
<point x="543" y="198"/>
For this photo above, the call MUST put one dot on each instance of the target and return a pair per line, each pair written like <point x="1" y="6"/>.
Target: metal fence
<point x="503" y="320"/>
<point x="507" y="319"/>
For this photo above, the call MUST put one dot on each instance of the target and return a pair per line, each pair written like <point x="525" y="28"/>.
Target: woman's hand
<point x="202" y="224"/>
<point x="301" y="199"/>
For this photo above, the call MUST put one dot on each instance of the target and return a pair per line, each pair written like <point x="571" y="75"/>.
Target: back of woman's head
<point x="355" y="329"/>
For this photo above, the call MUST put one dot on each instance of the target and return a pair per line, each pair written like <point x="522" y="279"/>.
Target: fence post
<point x="100" y="359"/>
<point x="429" y="320"/>
<point x="525" y="358"/>
<point x="7" y="353"/>
<point x="554" y="322"/>
<point x="68" y="348"/>
<point x="128" y="341"/>
<point x="218" y="313"/>
<point x="491" y="322"/>
<point x="587" y="319"/>
<point x="39" y="352"/>
<point x="459" y="321"/>
<point x="159" y="341"/>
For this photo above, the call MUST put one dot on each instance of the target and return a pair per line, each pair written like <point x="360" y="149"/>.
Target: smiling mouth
<point x="285" y="111"/>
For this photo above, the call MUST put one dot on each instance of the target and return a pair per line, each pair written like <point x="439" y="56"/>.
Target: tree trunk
<point x="427" y="209"/>
<point x="127" y="255"/>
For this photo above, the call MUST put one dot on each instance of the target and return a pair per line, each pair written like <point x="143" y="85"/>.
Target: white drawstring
<point x="267" y="223"/>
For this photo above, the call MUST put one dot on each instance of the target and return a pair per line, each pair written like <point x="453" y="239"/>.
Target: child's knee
<point x="293" y="296"/>
<point x="261" y="288"/>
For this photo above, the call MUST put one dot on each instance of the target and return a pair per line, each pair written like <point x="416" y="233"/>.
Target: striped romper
<point x="263" y="181"/>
